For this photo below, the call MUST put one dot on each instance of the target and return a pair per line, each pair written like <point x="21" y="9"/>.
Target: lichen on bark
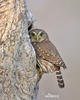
<point x="18" y="74"/>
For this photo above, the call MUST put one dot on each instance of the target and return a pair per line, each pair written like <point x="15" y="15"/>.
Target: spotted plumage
<point x="48" y="57"/>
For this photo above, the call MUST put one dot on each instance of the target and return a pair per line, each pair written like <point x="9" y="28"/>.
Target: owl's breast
<point x="47" y="51"/>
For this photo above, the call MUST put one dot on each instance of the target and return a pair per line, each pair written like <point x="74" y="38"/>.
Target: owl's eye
<point x="41" y="34"/>
<point x="33" y="34"/>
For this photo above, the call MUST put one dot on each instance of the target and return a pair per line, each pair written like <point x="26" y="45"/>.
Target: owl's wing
<point x="47" y="51"/>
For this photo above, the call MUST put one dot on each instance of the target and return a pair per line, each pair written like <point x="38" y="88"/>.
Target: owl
<point x="48" y="57"/>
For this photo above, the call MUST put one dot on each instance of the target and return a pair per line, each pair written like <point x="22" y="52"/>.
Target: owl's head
<point x="37" y="35"/>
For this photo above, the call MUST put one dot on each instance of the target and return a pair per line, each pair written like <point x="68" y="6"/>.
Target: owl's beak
<point x="37" y="37"/>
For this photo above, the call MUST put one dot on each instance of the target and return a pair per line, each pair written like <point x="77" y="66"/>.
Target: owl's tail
<point x="60" y="79"/>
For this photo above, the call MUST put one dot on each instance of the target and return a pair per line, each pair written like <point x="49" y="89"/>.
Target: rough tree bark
<point x="18" y="74"/>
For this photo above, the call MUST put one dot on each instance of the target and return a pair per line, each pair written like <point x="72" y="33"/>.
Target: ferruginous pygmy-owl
<point x="48" y="57"/>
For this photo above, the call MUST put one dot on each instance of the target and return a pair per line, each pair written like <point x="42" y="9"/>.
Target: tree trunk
<point x="18" y="74"/>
